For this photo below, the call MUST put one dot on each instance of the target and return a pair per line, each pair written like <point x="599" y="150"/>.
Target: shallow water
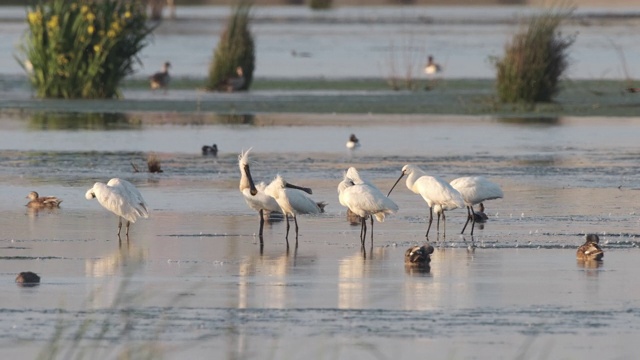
<point x="193" y="278"/>
<point x="354" y="42"/>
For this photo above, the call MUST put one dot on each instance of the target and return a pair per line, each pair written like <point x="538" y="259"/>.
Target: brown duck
<point x="44" y="202"/>
<point x="590" y="250"/>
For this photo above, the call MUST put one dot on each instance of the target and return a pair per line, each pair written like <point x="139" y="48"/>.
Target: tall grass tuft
<point x="234" y="57"/>
<point x="82" y="49"/>
<point x="534" y="60"/>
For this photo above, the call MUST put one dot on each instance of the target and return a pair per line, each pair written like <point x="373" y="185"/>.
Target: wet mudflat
<point x="193" y="279"/>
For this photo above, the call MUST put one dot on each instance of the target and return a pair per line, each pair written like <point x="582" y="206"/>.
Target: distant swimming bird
<point x="255" y="195"/>
<point x="353" y="142"/>
<point x="419" y="255"/>
<point x="28" y="278"/>
<point x="433" y="190"/>
<point x="475" y="190"/>
<point x="44" y="202"/>
<point x="233" y="83"/>
<point x="210" y="150"/>
<point x="302" y="54"/>
<point x="121" y="198"/>
<point x="432" y="68"/>
<point x="293" y="200"/>
<point x="590" y="250"/>
<point x="364" y="199"/>
<point x="160" y="80"/>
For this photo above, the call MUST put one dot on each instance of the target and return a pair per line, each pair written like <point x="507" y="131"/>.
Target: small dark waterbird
<point x="590" y="250"/>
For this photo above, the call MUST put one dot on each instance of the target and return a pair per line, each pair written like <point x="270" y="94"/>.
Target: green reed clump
<point x="234" y="57"/>
<point x="534" y="60"/>
<point x="84" y="48"/>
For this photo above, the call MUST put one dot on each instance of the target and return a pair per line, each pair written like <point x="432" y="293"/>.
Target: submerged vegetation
<point x="234" y="57"/>
<point x="82" y="49"/>
<point x="534" y="60"/>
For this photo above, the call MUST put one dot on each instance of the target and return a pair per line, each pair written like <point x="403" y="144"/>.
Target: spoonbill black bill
<point x="435" y="191"/>
<point x="255" y="195"/>
<point x="293" y="201"/>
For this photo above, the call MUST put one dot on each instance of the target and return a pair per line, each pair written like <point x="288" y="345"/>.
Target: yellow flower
<point x="53" y="22"/>
<point x="84" y="9"/>
<point x="96" y="48"/>
<point x="111" y="34"/>
<point x="62" y="60"/>
<point x="91" y="17"/>
<point x="74" y="6"/>
<point x="91" y="29"/>
<point x="127" y="14"/>
<point x="34" y="17"/>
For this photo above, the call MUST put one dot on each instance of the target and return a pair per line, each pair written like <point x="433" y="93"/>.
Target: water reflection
<point x="530" y="120"/>
<point x="353" y="289"/>
<point x="82" y="121"/>
<point x="127" y="255"/>
<point x="274" y="285"/>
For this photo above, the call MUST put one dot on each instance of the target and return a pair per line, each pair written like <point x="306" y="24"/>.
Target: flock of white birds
<point x="357" y="194"/>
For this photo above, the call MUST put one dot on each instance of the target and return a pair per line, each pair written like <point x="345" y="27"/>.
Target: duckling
<point x="210" y="150"/>
<point x="590" y="250"/>
<point x="28" y="278"/>
<point x="353" y="142"/>
<point x="38" y="202"/>
<point x="418" y="255"/>
<point x="160" y="80"/>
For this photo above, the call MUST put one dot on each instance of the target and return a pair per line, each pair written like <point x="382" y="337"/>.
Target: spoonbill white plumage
<point x="475" y="190"/>
<point x="255" y="195"/>
<point x="41" y="202"/>
<point x="293" y="200"/>
<point x="353" y="142"/>
<point x="433" y="190"/>
<point x="121" y="198"/>
<point x="365" y="200"/>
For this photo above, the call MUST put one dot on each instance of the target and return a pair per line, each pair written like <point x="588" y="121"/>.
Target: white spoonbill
<point x="433" y="190"/>
<point x="475" y="190"/>
<point x="121" y="198"/>
<point x="365" y="200"/>
<point x="253" y="194"/>
<point x="293" y="200"/>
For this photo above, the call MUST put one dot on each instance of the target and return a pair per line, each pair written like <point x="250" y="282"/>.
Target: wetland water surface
<point x="193" y="281"/>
